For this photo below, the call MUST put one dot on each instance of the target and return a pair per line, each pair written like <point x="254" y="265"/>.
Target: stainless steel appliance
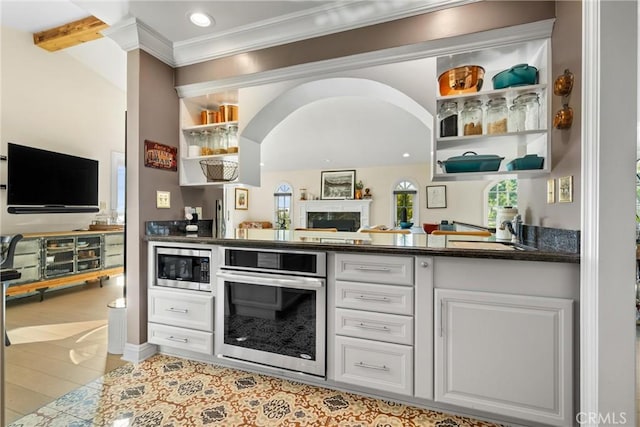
<point x="271" y="308"/>
<point x="183" y="268"/>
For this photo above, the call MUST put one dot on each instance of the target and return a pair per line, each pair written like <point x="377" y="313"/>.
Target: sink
<point x="491" y="246"/>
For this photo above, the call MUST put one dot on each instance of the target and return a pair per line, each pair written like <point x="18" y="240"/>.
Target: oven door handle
<point x="294" y="282"/>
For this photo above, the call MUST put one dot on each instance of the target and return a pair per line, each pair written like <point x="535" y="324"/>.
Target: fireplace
<point x="345" y="215"/>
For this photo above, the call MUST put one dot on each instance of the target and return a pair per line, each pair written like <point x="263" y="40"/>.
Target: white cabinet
<point x="511" y="144"/>
<point x="242" y="166"/>
<point x="182" y="319"/>
<point x="374" y="324"/>
<point x="113" y="250"/>
<point x="505" y="354"/>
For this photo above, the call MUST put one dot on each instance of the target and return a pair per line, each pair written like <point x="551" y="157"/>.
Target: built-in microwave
<point x="183" y="268"/>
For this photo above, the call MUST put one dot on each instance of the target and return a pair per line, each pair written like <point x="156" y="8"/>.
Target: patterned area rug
<point x="166" y="391"/>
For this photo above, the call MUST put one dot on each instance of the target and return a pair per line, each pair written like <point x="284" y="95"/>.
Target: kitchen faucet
<point x="514" y="227"/>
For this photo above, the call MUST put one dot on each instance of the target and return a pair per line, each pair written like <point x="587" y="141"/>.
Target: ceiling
<point x="239" y="26"/>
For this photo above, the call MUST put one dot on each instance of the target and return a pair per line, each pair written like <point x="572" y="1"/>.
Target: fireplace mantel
<point x="360" y="206"/>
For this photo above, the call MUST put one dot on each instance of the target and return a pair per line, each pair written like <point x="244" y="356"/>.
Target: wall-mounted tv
<point x="41" y="181"/>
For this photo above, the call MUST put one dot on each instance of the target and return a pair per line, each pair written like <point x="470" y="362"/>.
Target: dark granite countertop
<point x="374" y="243"/>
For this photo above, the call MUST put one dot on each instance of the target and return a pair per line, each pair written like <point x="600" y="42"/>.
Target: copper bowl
<point x="465" y="79"/>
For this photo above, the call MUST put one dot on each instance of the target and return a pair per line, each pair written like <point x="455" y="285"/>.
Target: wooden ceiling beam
<point x="71" y="34"/>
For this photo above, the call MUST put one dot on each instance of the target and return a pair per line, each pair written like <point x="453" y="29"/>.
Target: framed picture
<point x="436" y="196"/>
<point x="242" y="198"/>
<point x="551" y="191"/>
<point x="565" y="189"/>
<point x="337" y="184"/>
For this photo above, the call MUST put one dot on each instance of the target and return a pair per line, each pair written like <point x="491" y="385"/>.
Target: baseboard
<point x="136" y="353"/>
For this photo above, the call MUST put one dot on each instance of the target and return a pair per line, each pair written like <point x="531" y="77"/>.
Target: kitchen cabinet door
<point x="505" y="354"/>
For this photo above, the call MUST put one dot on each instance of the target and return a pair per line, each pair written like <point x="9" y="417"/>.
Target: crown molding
<point x="132" y="34"/>
<point x="486" y="39"/>
<point x="336" y="17"/>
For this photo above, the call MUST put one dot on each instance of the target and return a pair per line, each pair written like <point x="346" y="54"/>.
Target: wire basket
<point x="219" y="170"/>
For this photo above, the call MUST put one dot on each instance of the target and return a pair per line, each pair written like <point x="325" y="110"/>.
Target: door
<point x="506" y="354"/>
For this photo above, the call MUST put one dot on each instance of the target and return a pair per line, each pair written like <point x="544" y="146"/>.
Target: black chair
<point x="8" y="243"/>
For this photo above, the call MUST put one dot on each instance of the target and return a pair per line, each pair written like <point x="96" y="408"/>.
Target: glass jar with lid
<point x="497" y="114"/>
<point x="205" y="143"/>
<point x="232" y="139"/>
<point x="448" y="117"/>
<point x="219" y="141"/>
<point x="530" y="105"/>
<point x="471" y="117"/>
<point x="194" y="149"/>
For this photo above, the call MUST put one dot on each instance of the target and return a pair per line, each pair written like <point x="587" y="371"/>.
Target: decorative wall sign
<point x="242" y="198"/>
<point x="436" y="196"/>
<point x="337" y="184"/>
<point x="160" y="156"/>
<point x="565" y="189"/>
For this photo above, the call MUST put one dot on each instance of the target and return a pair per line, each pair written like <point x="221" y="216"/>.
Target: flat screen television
<point x="42" y="181"/>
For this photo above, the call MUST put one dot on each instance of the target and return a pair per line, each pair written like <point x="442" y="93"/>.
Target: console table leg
<point x="41" y="291"/>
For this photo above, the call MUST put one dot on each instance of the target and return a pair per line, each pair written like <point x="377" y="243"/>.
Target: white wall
<point x="52" y="101"/>
<point x="464" y="200"/>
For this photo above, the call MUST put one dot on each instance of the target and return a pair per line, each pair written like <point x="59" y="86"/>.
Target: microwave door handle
<point x="297" y="282"/>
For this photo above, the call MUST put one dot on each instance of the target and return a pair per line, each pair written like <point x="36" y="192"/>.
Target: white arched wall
<point x="291" y="100"/>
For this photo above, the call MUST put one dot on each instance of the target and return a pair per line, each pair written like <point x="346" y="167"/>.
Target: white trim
<point x="362" y="207"/>
<point x="589" y="272"/>
<point x="136" y="353"/>
<point x="481" y="40"/>
<point x="315" y="22"/>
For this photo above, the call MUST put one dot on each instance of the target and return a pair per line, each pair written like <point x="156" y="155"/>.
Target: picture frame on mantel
<point x="436" y="196"/>
<point x="337" y="185"/>
<point x="242" y="198"/>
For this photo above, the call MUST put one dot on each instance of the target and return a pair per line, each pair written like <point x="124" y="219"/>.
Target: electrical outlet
<point x="103" y="205"/>
<point x="199" y="211"/>
<point x="163" y="199"/>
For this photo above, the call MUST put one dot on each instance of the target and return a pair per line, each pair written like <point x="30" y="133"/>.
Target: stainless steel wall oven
<point x="271" y="308"/>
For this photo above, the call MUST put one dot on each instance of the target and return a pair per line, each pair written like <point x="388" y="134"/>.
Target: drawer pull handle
<point x="376" y="367"/>
<point x="182" y="340"/>
<point x="368" y="268"/>
<point x="368" y="298"/>
<point x="177" y="310"/>
<point x="375" y="327"/>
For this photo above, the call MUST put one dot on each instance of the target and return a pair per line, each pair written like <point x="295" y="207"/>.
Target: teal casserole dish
<point x="530" y="161"/>
<point x="518" y="75"/>
<point x="471" y="162"/>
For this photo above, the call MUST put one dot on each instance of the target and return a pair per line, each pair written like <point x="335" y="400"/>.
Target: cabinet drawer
<point x="184" y="339"/>
<point x="180" y="308"/>
<point x="27" y="274"/>
<point x="375" y="268"/>
<point x="26" y="246"/>
<point x="376" y="365"/>
<point x="376" y="326"/>
<point x="114" y="239"/>
<point x="26" y="260"/>
<point x="379" y="298"/>
<point x="113" y="260"/>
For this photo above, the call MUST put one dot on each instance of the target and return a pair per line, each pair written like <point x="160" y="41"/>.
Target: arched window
<point x="501" y="193"/>
<point x="282" y="198"/>
<point x="405" y="196"/>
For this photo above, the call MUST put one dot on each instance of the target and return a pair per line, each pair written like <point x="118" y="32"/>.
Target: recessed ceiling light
<point x="406" y="155"/>
<point x="200" y="19"/>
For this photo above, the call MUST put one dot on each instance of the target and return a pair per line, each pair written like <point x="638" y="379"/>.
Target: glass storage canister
<point x="530" y="104"/>
<point x="219" y="141"/>
<point x="232" y="139"/>
<point x="471" y="116"/>
<point x="497" y="114"/>
<point x="195" y="148"/>
<point x="205" y="143"/>
<point x="448" y="116"/>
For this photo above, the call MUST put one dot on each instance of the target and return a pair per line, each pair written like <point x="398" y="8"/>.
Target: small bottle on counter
<point x="497" y="113"/>
<point x="472" y="116"/>
<point x="448" y="116"/>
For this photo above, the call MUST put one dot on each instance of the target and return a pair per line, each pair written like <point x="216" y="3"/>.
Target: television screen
<point x="53" y="180"/>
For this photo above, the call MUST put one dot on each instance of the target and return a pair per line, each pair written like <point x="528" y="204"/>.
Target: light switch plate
<point x="163" y="199"/>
